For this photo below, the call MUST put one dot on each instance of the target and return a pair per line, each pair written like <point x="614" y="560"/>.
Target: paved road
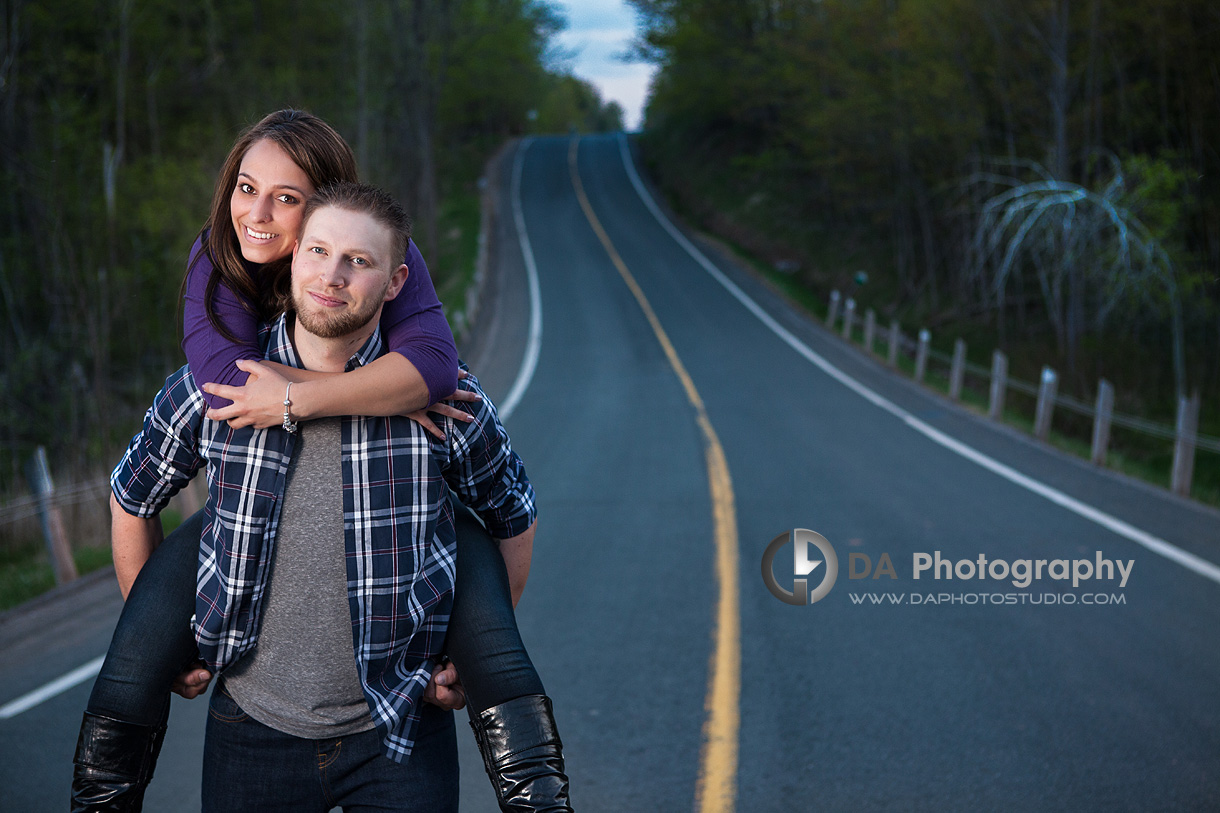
<point x="842" y="705"/>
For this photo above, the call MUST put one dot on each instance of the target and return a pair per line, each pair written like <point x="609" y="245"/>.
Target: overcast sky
<point x="598" y="31"/>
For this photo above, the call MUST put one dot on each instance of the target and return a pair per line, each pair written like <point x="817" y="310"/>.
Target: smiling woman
<point x="268" y="201"/>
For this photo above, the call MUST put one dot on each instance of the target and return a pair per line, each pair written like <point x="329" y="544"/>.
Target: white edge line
<point x="534" y="344"/>
<point x="1186" y="559"/>
<point x="528" y="364"/>
<point x="28" y="701"/>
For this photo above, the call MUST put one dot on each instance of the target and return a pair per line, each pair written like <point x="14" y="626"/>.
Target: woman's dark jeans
<point x="153" y="642"/>
<point x="483" y="640"/>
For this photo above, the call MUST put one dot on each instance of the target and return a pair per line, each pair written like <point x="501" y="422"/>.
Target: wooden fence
<point x="1184" y="434"/>
<point x="84" y="503"/>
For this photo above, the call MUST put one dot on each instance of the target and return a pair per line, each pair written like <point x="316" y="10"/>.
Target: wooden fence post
<point x="999" y="385"/>
<point x="1102" y="414"/>
<point x="833" y="313"/>
<point x="870" y="327"/>
<point x="1047" y="391"/>
<point x="849" y="316"/>
<point x="957" y="373"/>
<point x="58" y="550"/>
<point x="921" y="355"/>
<point x="1184" y="446"/>
<point x="895" y="339"/>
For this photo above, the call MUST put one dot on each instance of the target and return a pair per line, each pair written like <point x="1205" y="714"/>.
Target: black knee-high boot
<point x="113" y="765"/>
<point x="523" y="755"/>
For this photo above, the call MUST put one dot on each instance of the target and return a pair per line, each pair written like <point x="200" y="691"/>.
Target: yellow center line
<point x="717" y="784"/>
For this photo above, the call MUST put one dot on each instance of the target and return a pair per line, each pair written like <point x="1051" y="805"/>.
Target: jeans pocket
<point x="223" y="708"/>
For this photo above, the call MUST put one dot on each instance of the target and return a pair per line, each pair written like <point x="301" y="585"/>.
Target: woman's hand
<point x="258" y="403"/>
<point x="440" y="408"/>
<point x="458" y="395"/>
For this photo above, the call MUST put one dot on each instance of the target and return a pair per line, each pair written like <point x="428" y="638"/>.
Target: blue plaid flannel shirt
<point x="398" y="526"/>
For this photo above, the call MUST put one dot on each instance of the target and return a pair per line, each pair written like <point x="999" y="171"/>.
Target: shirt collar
<point x="278" y="346"/>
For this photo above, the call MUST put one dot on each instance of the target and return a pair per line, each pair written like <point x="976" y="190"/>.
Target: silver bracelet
<point x="289" y="424"/>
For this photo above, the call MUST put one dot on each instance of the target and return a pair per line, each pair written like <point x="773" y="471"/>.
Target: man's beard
<point x="337" y="326"/>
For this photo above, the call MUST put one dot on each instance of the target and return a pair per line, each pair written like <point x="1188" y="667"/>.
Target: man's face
<point x="342" y="272"/>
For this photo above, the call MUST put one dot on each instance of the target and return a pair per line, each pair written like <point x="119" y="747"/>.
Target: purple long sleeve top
<point x="412" y="322"/>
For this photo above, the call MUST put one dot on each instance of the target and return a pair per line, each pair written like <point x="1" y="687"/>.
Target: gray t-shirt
<point x="301" y="677"/>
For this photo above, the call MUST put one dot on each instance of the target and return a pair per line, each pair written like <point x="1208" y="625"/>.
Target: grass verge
<point x="26" y="572"/>
<point x="459" y="247"/>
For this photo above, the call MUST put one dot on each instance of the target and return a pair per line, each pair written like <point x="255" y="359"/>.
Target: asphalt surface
<point x="843" y="705"/>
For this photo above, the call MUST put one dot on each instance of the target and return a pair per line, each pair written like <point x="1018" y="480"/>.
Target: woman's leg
<point x="483" y="640"/>
<point x="509" y="711"/>
<point x="125" y="720"/>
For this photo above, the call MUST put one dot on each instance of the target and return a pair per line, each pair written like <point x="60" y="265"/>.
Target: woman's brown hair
<point x="325" y="158"/>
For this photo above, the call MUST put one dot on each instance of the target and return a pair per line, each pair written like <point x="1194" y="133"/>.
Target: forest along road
<point x="672" y="433"/>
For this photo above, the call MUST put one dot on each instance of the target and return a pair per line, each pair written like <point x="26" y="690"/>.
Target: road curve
<point x="858" y="706"/>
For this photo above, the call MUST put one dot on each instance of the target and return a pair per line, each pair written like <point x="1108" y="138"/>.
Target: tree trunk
<point x="420" y="102"/>
<point x="107" y="273"/>
<point x="1092" y="102"/>
<point x="362" y="84"/>
<point x="9" y="62"/>
<point x="1059" y="93"/>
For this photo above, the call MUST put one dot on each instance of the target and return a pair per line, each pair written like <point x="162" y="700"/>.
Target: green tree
<point x="855" y="134"/>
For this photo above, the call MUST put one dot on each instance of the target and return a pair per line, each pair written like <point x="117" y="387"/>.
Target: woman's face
<point x="268" y="201"/>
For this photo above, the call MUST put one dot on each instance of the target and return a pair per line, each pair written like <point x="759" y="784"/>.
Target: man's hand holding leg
<point x="193" y="682"/>
<point x="445" y="689"/>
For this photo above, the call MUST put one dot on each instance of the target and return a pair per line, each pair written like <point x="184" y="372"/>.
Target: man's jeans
<point x="250" y="767"/>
